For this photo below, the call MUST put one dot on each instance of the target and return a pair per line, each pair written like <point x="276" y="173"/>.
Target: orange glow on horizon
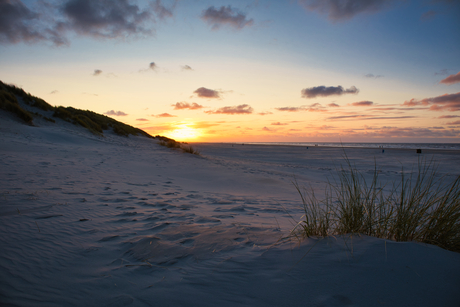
<point x="184" y="132"/>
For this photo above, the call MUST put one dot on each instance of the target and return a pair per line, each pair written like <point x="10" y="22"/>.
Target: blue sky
<point x="252" y="70"/>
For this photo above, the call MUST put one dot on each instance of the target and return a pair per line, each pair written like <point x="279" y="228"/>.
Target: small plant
<point x="190" y="149"/>
<point x="423" y="208"/>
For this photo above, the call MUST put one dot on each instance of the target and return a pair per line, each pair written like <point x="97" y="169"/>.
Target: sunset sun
<point x="184" y="133"/>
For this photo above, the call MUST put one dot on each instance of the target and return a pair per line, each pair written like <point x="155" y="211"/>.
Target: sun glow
<point x="184" y="132"/>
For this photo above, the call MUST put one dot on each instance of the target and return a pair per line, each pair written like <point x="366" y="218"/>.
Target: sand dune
<point x="115" y="221"/>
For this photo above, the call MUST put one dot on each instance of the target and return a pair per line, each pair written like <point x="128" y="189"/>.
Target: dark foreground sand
<point x="88" y="221"/>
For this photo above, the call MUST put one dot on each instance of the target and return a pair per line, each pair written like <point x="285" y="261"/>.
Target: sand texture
<point x="115" y="221"/>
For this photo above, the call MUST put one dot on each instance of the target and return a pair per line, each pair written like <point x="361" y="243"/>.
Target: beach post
<point x="419" y="151"/>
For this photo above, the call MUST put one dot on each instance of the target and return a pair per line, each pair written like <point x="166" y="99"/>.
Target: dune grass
<point x="422" y="207"/>
<point x="173" y="144"/>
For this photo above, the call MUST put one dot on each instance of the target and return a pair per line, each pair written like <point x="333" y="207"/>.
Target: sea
<point x="442" y="146"/>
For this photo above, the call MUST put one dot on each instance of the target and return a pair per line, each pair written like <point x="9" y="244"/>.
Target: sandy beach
<point x="116" y="221"/>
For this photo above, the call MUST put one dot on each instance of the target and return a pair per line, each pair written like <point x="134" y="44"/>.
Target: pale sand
<point x="89" y="221"/>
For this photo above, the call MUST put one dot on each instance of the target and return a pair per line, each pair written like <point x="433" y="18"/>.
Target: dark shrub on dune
<point x="9" y="102"/>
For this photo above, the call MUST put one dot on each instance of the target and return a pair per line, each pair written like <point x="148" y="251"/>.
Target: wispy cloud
<point x="372" y="76"/>
<point x="442" y="72"/>
<point x="428" y="15"/>
<point x="186" y="67"/>
<point x="323" y="91"/>
<point x="97" y="72"/>
<point x="162" y="11"/>
<point x="451" y="79"/>
<point x="142" y="119"/>
<point x="115" y="113"/>
<point x="290" y="109"/>
<point x="449" y="102"/>
<point x="225" y="15"/>
<point x="279" y="124"/>
<point x="333" y="105"/>
<point x="340" y="10"/>
<point x="267" y="129"/>
<point x="265" y="113"/>
<point x="448" y="116"/>
<point x="457" y="122"/>
<point x="366" y="117"/>
<point x="186" y="105"/>
<point x="164" y="115"/>
<point x="240" y="109"/>
<point x="54" y="92"/>
<point x="207" y="93"/>
<point x="362" y="103"/>
<point x="152" y="66"/>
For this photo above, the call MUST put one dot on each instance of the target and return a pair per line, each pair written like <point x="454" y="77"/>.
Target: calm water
<point x="445" y="146"/>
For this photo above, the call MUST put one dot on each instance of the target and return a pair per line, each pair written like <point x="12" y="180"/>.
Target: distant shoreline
<point x="410" y="146"/>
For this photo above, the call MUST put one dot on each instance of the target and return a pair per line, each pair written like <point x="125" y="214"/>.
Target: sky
<point x="245" y="70"/>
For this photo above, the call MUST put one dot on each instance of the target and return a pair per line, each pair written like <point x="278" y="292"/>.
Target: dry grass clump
<point x="423" y="208"/>
<point x="170" y="143"/>
<point x="190" y="150"/>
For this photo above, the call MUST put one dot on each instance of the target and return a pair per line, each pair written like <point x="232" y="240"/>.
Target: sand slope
<point x="113" y="221"/>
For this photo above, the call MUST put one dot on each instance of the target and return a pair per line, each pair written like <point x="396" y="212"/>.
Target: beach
<point x="115" y="221"/>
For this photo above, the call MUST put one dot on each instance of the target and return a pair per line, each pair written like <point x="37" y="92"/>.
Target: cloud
<point x="19" y="24"/>
<point x="333" y="105"/>
<point x="367" y="117"/>
<point x="291" y="109"/>
<point x="206" y="93"/>
<point x="186" y="105"/>
<point x="162" y="11"/>
<point x="115" y="113"/>
<point x="265" y="113"/>
<point x="326" y="127"/>
<point x="266" y="129"/>
<point x="279" y="124"/>
<point x="142" y="119"/>
<point x="442" y="72"/>
<point x="105" y="18"/>
<point x="97" y="72"/>
<point x="451" y="79"/>
<point x="53" y="21"/>
<point x="449" y="116"/>
<point x="324" y="91"/>
<point x="449" y="102"/>
<point x="54" y="92"/>
<point x="371" y="76"/>
<point x="226" y="15"/>
<point x="241" y="109"/>
<point x="186" y="67"/>
<point x="152" y="66"/>
<point x="428" y="15"/>
<point x="362" y="103"/>
<point x="316" y="107"/>
<point x="340" y="10"/>
<point x="457" y="122"/>
<point x="164" y="115"/>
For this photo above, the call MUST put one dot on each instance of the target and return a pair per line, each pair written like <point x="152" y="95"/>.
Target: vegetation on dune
<point x="10" y="103"/>
<point x="170" y="143"/>
<point x="94" y="122"/>
<point x="422" y="208"/>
